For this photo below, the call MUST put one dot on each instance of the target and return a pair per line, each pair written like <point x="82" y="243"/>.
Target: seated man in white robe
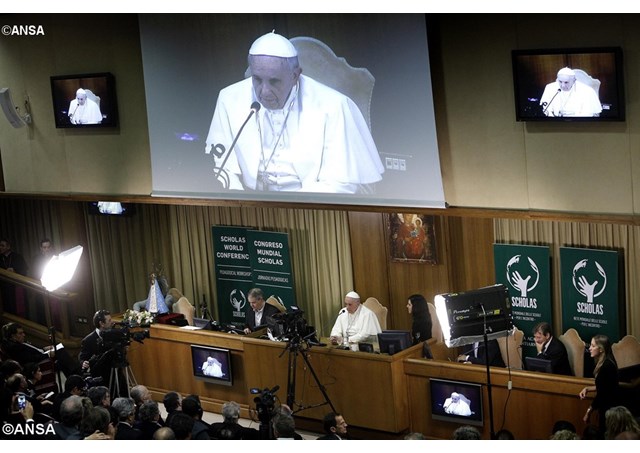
<point x="212" y="367"/>
<point x="457" y="405"/>
<point x="304" y="136"/>
<point x="355" y="323"/>
<point x="569" y="97"/>
<point x="83" y="110"/>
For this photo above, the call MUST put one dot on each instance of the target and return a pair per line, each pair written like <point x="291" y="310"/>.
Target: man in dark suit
<point x="126" y="409"/>
<point x="550" y="348"/>
<point x="477" y="355"/>
<point x="92" y="351"/>
<point x="259" y="312"/>
<point x="335" y="427"/>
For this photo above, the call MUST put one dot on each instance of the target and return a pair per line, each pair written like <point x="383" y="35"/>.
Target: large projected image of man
<point x="568" y="96"/>
<point x="304" y="136"/>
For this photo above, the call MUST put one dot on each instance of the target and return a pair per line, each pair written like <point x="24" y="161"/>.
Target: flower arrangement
<point x="140" y="318"/>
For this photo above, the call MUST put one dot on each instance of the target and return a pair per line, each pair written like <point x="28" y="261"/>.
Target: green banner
<point x="590" y="292"/>
<point x="525" y="271"/>
<point x="271" y="264"/>
<point x="233" y="273"/>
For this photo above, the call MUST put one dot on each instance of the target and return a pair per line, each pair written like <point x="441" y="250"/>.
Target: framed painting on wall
<point x="412" y="238"/>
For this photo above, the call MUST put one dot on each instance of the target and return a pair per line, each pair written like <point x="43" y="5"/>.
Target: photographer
<point x="92" y="347"/>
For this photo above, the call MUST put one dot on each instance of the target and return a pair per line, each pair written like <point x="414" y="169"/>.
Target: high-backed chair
<point x="436" y="329"/>
<point x="273" y="300"/>
<point x="575" y="350"/>
<point x="184" y="306"/>
<point x="627" y="352"/>
<point x="380" y="311"/>
<point x="511" y="350"/>
<point x="582" y="76"/>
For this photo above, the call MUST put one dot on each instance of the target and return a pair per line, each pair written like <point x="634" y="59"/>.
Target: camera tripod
<point x="117" y="377"/>
<point x="298" y="345"/>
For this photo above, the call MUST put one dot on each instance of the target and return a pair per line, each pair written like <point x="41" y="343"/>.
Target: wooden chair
<point x="575" y="350"/>
<point x="380" y="311"/>
<point x="184" y="306"/>
<point x="627" y="352"/>
<point x="511" y="349"/>
<point x="273" y="300"/>
<point x="436" y="329"/>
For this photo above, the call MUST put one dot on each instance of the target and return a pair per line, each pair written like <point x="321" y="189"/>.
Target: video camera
<point x="115" y="338"/>
<point x="292" y="327"/>
<point x="265" y="403"/>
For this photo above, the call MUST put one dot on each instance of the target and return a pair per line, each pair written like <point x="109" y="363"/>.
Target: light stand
<point x="459" y="313"/>
<point x="58" y="271"/>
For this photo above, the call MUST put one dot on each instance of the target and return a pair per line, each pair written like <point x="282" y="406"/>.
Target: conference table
<point x="377" y="393"/>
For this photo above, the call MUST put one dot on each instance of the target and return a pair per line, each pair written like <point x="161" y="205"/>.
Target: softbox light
<point x="61" y="268"/>
<point x="464" y="316"/>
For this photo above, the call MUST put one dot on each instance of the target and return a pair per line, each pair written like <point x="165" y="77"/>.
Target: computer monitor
<point x="393" y="341"/>
<point x="539" y="365"/>
<point x="202" y="323"/>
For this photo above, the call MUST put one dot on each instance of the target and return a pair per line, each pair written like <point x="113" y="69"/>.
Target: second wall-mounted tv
<point x="84" y="100"/>
<point x="581" y="84"/>
<point x="457" y="402"/>
<point x="211" y="364"/>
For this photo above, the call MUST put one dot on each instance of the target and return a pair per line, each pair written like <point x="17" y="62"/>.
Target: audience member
<point x="619" y="419"/>
<point x="182" y="425"/>
<point x="149" y="419"/>
<point x="565" y="434"/>
<point x="230" y="429"/>
<point x="606" y="385"/>
<point x="414" y="436"/>
<point x="140" y="395"/>
<point x="71" y="412"/>
<point x="421" y="323"/>
<point x="172" y="402"/>
<point x="505" y="434"/>
<point x="192" y="407"/>
<point x="16" y="347"/>
<point x="284" y="427"/>
<point x="550" y="348"/>
<point x="73" y="386"/>
<point x="627" y="435"/>
<point x="99" y="396"/>
<point x="125" y="407"/>
<point x="97" y="421"/>
<point x="39" y="261"/>
<point x="164" y="433"/>
<point x="466" y="432"/>
<point x="563" y="424"/>
<point x="335" y="427"/>
<point x="355" y="322"/>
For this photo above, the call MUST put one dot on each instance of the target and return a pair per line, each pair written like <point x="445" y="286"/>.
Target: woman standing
<point x="419" y="311"/>
<point x="606" y="374"/>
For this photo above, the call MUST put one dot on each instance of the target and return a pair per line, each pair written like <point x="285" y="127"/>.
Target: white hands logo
<point x="237" y="299"/>
<point x="515" y="272"/>
<point x="581" y="282"/>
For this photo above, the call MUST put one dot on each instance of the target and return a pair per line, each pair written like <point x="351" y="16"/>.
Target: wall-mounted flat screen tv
<point x="457" y="402"/>
<point x="211" y="364"/>
<point x="111" y="208"/>
<point x="569" y="84"/>
<point x="84" y="100"/>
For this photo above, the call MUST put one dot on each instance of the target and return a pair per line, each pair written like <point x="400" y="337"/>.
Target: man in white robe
<point x="569" y="97"/>
<point x="355" y="322"/>
<point x="457" y="405"/>
<point x="212" y="367"/>
<point x="83" y="110"/>
<point x="303" y="137"/>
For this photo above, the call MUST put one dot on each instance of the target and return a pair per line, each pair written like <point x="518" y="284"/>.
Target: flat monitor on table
<point x="539" y="365"/>
<point x="393" y="341"/>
